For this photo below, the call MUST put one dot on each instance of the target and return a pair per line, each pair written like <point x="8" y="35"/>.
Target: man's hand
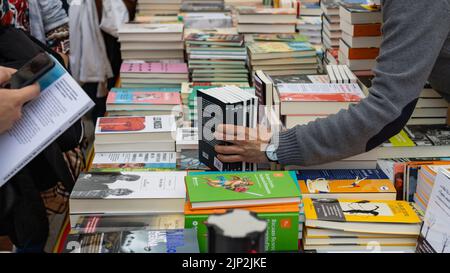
<point x="249" y="145"/>
<point x="12" y="100"/>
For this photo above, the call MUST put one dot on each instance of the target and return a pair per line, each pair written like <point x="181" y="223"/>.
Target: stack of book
<point x="116" y="212"/>
<point x="360" y="225"/>
<point x="150" y="74"/>
<point x="224" y="105"/>
<point x="134" y="241"/>
<point x="431" y="108"/>
<point x="310" y="8"/>
<point x="404" y="173"/>
<point x="153" y="7"/>
<point x="217" y="57"/>
<point x="207" y="20"/>
<point x="187" y="139"/>
<point x="266" y="20"/>
<point x="434" y="236"/>
<point x="203" y="6"/>
<point x="152" y="42"/>
<point x="135" y="134"/>
<point x="113" y="194"/>
<point x="144" y="102"/>
<point x="282" y="58"/>
<point x="426" y="183"/>
<point x="331" y="30"/>
<point x="311" y="26"/>
<point x="361" y="36"/>
<point x="134" y="161"/>
<point x="189" y="97"/>
<point x="273" y="196"/>
<point x="305" y="102"/>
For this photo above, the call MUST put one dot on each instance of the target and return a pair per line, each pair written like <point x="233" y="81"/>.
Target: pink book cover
<point x="159" y="68"/>
<point x="155" y="98"/>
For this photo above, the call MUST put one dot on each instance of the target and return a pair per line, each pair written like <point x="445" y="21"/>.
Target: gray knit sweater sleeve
<point x="414" y="34"/>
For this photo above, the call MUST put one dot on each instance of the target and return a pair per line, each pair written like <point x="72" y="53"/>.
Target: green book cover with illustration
<point x="241" y="186"/>
<point x="282" y="230"/>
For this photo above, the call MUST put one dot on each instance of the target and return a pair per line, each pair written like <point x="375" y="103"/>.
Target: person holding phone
<point x="11" y="101"/>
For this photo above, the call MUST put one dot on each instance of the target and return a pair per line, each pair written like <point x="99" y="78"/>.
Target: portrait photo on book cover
<point x="105" y="185"/>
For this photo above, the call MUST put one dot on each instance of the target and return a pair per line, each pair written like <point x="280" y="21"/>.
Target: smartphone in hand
<point x="32" y="71"/>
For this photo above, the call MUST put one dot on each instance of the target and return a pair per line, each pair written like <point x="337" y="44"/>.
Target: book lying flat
<point x="128" y="192"/>
<point x="378" y="216"/>
<point x="137" y="100"/>
<point x="241" y="189"/>
<point x="137" y="241"/>
<point x="142" y="161"/>
<point x="135" y="129"/>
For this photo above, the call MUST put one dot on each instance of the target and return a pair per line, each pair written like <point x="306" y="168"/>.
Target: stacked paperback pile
<point x="305" y="102"/>
<point x="331" y="30"/>
<point x="189" y="97"/>
<point x="361" y="36"/>
<point x="283" y="57"/>
<point x="217" y="57"/>
<point x="144" y="102"/>
<point x="360" y="225"/>
<point x="311" y="26"/>
<point x="426" y="183"/>
<point x="151" y="42"/>
<point x="224" y="105"/>
<point x="207" y="20"/>
<point x="203" y="6"/>
<point x="129" y="212"/>
<point x="266" y="20"/>
<point x="147" y="74"/>
<point x="434" y="236"/>
<point x="158" y="7"/>
<point x="431" y="108"/>
<point x="273" y="196"/>
<point x="310" y="8"/>
<point x="135" y="134"/>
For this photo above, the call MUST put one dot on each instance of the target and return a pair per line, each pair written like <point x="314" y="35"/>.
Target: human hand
<point x="249" y="145"/>
<point x="12" y="100"/>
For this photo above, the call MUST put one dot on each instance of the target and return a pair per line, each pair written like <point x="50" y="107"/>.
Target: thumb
<point x="28" y="93"/>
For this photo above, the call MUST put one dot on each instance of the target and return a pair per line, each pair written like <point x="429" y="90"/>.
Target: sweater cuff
<point x="289" y="150"/>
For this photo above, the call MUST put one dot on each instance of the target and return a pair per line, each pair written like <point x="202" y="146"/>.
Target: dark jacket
<point x="22" y="211"/>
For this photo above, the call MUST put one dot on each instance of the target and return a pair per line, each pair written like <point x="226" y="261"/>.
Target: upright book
<point x="435" y="233"/>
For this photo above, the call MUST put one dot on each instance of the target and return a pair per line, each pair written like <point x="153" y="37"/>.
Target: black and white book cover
<point x="129" y="185"/>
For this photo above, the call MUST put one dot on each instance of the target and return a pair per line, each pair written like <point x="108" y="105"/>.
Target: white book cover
<point x="130" y="185"/>
<point x="151" y="28"/>
<point x="135" y="125"/>
<point x="435" y="233"/>
<point x="147" y="159"/>
<point x="61" y="103"/>
<point x="187" y="136"/>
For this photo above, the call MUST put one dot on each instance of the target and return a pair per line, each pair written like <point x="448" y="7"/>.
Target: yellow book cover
<point x="380" y="211"/>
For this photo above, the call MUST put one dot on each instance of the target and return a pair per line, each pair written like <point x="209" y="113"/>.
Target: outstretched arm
<point x="414" y="33"/>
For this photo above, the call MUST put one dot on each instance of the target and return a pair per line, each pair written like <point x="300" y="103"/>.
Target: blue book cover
<point x="341" y="174"/>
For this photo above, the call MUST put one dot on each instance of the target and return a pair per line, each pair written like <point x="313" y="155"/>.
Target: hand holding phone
<point x="31" y="72"/>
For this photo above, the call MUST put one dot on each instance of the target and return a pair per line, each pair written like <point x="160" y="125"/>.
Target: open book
<point x="62" y="102"/>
